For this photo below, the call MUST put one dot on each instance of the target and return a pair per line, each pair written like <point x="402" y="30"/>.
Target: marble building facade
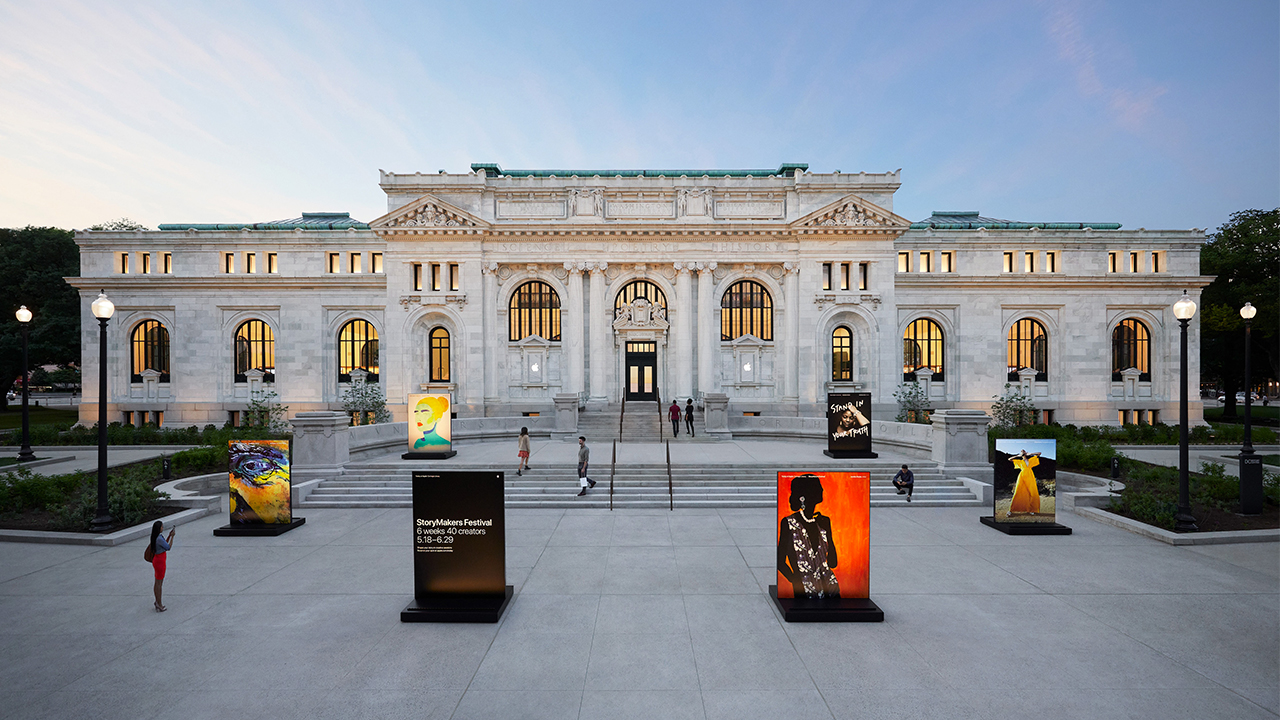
<point x="509" y="288"/>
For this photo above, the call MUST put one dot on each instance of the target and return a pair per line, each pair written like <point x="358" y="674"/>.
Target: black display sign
<point x="459" y="547"/>
<point x="849" y="425"/>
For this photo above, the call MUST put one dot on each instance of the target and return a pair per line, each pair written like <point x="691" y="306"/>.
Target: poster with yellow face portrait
<point x="430" y="427"/>
<point x="261" y="491"/>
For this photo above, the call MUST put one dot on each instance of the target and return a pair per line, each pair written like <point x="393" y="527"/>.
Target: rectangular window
<point x="417" y="276"/>
<point x="146" y="263"/>
<point x="926" y="262"/>
<point x="335" y="263"/>
<point x="1111" y="263"/>
<point x="455" y="277"/>
<point x="1155" y="266"/>
<point x="1051" y="262"/>
<point x="228" y="262"/>
<point x="826" y="276"/>
<point x="1134" y="263"/>
<point x="904" y="262"/>
<point x="1155" y="417"/>
<point x="844" y="276"/>
<point x="233" y="417"/>
<point x="435" y="277"/>
<point x="944" y="262"/>
<point x="167" y="267"/>
<point x="355" y="263"/>
<point x="273" y="264"/>
<point x="128" y="417"/>
<point x="1008" y="262"/>
<point x="375" y="262"/>
<point x="124" y="263"/>
<point x="251" y="262"/>
<point x="863" y="272"/>
<point x="1029" y="262"/>
<point x="157" y="418"/>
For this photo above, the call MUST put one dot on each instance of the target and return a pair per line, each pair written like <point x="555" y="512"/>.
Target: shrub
<point x="913" y="406"/>
<point x="1013" y="409"/>
<point x="21" y="490"/>
<point x="129" y="500"/>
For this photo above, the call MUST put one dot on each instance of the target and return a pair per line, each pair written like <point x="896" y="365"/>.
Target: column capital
<point x="574" y="268"/>
<point x="489" y="268"/>
<point x="791" y="268"/>
<point x="683" y="268"/>
<point x="705" y="267"/>
<point x="597" y="268"/>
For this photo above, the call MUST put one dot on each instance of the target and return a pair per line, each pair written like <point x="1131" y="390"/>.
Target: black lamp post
<point x="25" y="454"/>
<point x="103" y="309"/>
<point x="1250" y="462"/>
<point x="1184" y="310"/>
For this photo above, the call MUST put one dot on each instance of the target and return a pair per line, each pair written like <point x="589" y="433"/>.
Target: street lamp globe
<point x="24" y="315"/>
<point x="1185" y="308"/>
<point x="103" y="308"/>
<point x="1248" y="311"/>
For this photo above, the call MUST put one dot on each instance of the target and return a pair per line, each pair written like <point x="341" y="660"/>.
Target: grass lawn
<point x="1271" y="460"/>
<point x="12" y="418"/>
<point x="1269" y="415"/>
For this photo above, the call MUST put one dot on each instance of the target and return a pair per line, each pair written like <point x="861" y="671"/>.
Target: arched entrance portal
<point x="640" y="328"/>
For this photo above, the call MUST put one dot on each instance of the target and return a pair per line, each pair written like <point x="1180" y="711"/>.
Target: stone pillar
<point x="321" y="447"/>
<point x="708" y="328"/>
<point x="960" y="442"/>
<point x="571" y="330"/>
<point x="490" y="333"/>
<point x="791" y="387"/>
<point x="684" y="308"/>
<point x="566" y="416"/>
<point x="600" y="317"/>
<point x="715" y="408"/>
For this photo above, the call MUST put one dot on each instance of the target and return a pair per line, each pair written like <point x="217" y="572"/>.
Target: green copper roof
<point x="308" y="221"/>
<point x="495" y="169"/>
<point x="971" y="220"/>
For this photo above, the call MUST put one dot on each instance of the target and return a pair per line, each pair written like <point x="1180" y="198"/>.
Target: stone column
<point x="571" y="328"/>
<point x="791" y="288"/>
<point x="599" y="343"/>
<point x="960" y="442"/>
<point x="684" y="330"/>
<point x="490" y="332"/>
<point x="321" y="448"/>
<point x="708" y="328"/>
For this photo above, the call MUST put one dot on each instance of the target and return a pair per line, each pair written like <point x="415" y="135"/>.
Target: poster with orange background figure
<point x="840" y="519"/>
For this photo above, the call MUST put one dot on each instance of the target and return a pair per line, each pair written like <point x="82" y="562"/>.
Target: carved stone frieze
<point x="640" y="314"/>
<point x="431" y="215"/>
<point x="850" y="214"/>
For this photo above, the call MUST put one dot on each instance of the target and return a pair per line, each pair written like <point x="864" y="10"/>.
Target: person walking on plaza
<point x="158" y="551"/>
<point x="905" y="479"/>
<point x="522" y="445"/>
<point x="584" y="457"/>
<point x="688" y="417"/>
<point x="673" y="413"/>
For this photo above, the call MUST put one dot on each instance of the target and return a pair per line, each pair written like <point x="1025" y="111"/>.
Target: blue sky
<point x="1158" y="115"/>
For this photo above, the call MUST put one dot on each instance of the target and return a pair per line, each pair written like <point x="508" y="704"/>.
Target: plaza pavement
<point x="644" y="614"/>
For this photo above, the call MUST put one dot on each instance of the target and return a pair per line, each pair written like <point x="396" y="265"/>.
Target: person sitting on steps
<point x="904" y="479"/>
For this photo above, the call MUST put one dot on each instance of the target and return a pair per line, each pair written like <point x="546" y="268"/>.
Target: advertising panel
<point x="849" y="425"/>
<point x="824" y="535"/>
<point x="430" y="425"/>
<point x="261" y="492"/>
<point x="1025" y="480"/>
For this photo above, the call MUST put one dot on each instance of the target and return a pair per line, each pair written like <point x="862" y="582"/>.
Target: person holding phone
<point x="160" y="547"/>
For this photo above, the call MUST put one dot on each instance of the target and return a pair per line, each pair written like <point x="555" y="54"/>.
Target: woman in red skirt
<point x="160" y="547"/>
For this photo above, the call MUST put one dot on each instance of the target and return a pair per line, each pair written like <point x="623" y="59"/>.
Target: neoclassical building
<point x="508" y="288"/>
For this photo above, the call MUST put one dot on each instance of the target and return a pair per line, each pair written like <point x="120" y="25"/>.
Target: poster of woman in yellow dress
<point x="1025" y="480"/>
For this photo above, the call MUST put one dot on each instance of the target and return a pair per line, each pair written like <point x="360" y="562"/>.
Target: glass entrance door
<point x="642" y="371"/>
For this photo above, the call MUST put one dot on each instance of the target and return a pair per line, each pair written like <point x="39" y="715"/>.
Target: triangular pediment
<point x="534" y="341"/>
<point x="747" y="340"/>
<point x="426" y="213"/>
<point x="852" y="211"/>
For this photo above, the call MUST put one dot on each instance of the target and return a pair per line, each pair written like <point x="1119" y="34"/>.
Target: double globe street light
<point x="103" y="309"/>
<point x="1184" y="310"/>
<point x="25" y="454"/>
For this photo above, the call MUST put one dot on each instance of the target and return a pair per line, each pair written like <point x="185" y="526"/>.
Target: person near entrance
<point x="688" y="417"/>
<point x="522" y="450"/>
<point x="905" y="481"/>
<point x="584" y="457"/>
<point x="673" y="413"/>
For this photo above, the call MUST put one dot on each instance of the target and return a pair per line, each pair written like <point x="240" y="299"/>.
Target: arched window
<point x="255" y="349"/>
<point x="1131" y="348"/>
<point x="534" y="310"/>
<point x="922" y="347"/>
<point x="1028" y="348"/>
<point x="357" y="350"/>
<point x="439" y="370"/>
<point x="841" y="354"/>
<point x="149" y="347"/>
<point x="639" y="288"/>
<point x="746" y="308"/>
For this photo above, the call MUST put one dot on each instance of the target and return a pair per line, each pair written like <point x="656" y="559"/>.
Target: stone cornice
<point x="1043" y="281"/>
<point x="241" y="282"/>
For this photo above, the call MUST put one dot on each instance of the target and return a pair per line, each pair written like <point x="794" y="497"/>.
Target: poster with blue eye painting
<point x="261" y="490"/>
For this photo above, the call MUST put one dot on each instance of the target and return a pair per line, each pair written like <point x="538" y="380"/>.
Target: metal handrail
<point x="657" y="398"/>
<point x="671" y="493"/>
<point x="612" y="466"/>
<point x="622" y="414"/>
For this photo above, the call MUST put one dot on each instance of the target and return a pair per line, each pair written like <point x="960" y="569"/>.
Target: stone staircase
<point x="388" y="483"/>
<point x="642" y="424"/>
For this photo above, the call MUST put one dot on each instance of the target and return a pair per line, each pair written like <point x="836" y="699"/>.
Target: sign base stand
<point x="458" y="608"/>
<point x="850" y="454"/>
<point x="262" y="530"/>
<point x="826" y="610"/>
<point x="429" y="455"/>
<point x="1009" y="528"/>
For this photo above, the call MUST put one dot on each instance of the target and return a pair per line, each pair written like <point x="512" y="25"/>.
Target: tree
<point x="33" y="263"/>
<point x="1244" y="255"/>
<point x="123" y="224"/>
